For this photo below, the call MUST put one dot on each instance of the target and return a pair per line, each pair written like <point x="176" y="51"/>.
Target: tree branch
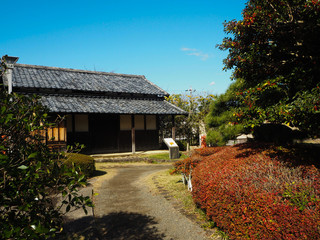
<point x="290" y="13"/>
<point x="272" y="6"/>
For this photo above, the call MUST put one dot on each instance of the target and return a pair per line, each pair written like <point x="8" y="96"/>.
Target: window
<point x="125" y="122"/>
<point x="151" y="122"/>
<point x="57" y="133"/>
<point x="139" y="122"/>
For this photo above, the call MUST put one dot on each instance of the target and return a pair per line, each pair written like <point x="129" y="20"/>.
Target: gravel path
<point x="126" y="209"/>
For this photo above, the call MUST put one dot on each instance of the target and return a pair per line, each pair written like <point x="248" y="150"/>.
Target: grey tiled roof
<point x="78" y="91"/>
<point x="89" y="104"/>
<point x="30" y="76"/>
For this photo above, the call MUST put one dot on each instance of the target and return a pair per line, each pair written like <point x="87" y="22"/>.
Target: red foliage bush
<point x="250" y="195"/>
<point x="185" y="165"/>
<point x="207" y="151"/>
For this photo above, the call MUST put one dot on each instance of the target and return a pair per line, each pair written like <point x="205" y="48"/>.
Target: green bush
<point x="214" y="138"/>
<point x="220" y="136"/>
<point x="32" y="175"/>
<point x="85" y="162"/>
<point x="182" y="145"/>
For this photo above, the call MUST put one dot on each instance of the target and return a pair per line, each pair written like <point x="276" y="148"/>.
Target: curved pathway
<point x="126" y="209"/>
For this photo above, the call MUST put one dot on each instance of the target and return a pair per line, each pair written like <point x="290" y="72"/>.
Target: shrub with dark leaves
<point x="32" y="174"/>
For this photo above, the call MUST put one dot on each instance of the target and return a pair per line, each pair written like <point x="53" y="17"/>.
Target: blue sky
<point x="172" y="42"/>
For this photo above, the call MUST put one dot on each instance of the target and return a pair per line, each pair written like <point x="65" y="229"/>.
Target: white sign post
<point x="173" y="148"/>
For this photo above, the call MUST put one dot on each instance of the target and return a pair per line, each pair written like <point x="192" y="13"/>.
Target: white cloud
<point x="203" y="56"/>
<point x="188" y="49"/>
<point x="196" y="52"/>
<point x="212" y="83"/>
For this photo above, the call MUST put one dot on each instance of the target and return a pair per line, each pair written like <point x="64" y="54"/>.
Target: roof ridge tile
<point x="78" y="70"/>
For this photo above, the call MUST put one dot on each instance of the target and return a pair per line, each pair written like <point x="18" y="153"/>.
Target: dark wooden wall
<point x="145" y="140"/>
<point x="104" y="136"/>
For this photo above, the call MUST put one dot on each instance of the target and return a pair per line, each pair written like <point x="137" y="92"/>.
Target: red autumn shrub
<point x="207" y="151"/>
<point x="253" y="196"/>
<point x="185" y="165"/>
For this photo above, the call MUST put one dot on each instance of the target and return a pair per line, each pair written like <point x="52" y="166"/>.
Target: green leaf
<point x="41" y="229"/>
<point x="38" y="165"/>
<point x="33" y="155"/>
<point x="8" y="118"/>
<point x="85" y="210"/>
<point x="81" y="178"/>
<point x="3" y="109"/>
<point x="23" y="167"/>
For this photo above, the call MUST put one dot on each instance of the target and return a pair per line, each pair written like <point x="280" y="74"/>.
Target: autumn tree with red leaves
<point x="275" y="49"/>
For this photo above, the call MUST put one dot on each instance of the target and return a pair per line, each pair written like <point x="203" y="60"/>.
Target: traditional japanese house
<point x="107" y="112"/>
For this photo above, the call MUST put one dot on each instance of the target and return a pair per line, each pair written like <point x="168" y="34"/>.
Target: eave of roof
<point x="85" y="104"/>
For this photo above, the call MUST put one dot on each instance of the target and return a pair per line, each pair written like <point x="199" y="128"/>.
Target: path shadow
<point x="114" y="226"/>
<point x="98" y="173"/>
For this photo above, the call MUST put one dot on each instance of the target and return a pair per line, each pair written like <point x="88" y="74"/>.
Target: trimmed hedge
<point x="184" y="165"/>
<point x="255" y="192"/>
<point x="85" y="162"/>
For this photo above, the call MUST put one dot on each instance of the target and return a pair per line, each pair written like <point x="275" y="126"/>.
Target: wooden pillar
<point x="133" y="135"/>
<point x="173" y="128"/>
<point x="47" y="135"/>
<point x="59" y="138"/>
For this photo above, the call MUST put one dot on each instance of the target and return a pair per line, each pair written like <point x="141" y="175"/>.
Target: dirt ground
<point x="126" y="208"/>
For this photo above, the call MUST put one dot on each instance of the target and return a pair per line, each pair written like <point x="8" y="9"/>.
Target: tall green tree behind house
<point x="32" y="174"/>
<point x="275" y="49"/>
<point x="221" y="119"/>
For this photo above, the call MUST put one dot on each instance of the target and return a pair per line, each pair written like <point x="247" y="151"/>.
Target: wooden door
<point x="104" y="131"/>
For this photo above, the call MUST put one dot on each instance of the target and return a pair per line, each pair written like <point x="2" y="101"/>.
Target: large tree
<point x="275" y="49"/>
<point x="221" y="127"/>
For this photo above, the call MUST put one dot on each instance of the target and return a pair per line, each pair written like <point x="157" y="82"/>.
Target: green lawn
<point x="164" y="156"/>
